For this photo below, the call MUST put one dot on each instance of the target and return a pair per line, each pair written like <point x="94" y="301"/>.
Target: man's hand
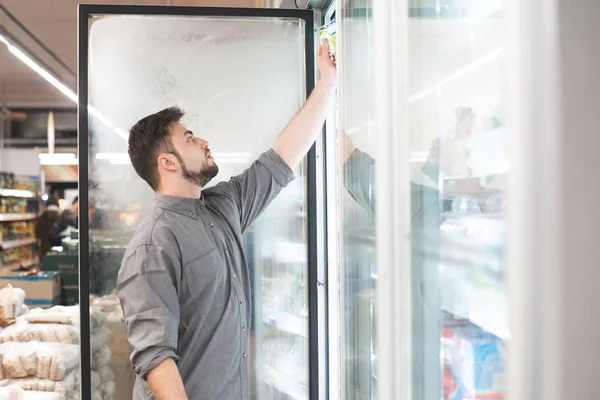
<point x="326" y="67"/>
<point x="300" y="134"/>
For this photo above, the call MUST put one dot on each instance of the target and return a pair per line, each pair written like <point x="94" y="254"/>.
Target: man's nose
<point x="204" y="143"/>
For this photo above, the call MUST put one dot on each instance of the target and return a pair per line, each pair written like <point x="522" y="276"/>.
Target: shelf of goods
<point x="39" y="349"/>
<point x="286" y="322"/>
<point x="13" y="244"/>
<point x="11" y="217"/>
<point x="17" y="193"/>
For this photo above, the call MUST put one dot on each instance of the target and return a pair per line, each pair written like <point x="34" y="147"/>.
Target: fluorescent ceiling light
<point x="58" y="159"/>
<point x="27" y="60"/>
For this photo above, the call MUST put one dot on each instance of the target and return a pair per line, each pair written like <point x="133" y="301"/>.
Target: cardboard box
<point x="42" y="290"/>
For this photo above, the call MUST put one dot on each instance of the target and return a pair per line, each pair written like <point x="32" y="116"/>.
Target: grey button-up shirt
<point x="184" y="284"/>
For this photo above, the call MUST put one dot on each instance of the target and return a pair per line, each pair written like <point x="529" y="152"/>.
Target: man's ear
<point x="167" y="161"/>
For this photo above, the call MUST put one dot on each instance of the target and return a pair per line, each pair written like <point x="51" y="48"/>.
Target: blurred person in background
<point x="68" y="218"/>
<point x="45" y="223"/>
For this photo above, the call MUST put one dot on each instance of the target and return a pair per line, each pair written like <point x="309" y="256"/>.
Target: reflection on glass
<point x="455" y="117"/>
<point x="357" y="201"/>
<point x="240" y="81"/>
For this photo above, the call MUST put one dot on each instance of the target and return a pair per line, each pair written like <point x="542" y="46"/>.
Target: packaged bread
<point x="63" y="388"/>
<point x="42" y="360"/>
<point x="64" y="315"/>
<point x="11" y="304"/>
<point x="27" y="332"/>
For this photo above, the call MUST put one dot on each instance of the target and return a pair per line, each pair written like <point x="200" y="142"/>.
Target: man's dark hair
<point x="149" y="137"/>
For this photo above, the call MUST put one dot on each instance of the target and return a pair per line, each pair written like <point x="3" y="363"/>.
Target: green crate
<point x="68" y="266"/>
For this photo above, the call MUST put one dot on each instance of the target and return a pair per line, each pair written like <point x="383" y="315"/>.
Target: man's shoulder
<point x="153" y="230"/>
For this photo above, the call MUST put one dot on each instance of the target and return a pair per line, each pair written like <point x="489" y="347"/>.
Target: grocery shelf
<point x="25" y="264"/>
<point x="26" y="194"/>
<point x="17" y="217"/>
<point x="286" y="322"/>
<point x="284" y="383"/>
<point x="13" y="244"/>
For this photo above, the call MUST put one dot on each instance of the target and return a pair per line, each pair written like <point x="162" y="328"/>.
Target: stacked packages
<point x="40" y="352"/>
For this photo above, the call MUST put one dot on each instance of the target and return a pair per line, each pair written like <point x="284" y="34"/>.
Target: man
<point x="183" y="284"/>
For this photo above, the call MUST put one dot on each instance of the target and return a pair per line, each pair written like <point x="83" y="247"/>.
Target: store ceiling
<point x="47" y="30"/>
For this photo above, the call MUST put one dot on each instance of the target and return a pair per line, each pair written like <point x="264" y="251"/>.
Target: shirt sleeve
<point x="147" y="286"/>
<point x="359" y="179"/>
<point x="258" y="185"/>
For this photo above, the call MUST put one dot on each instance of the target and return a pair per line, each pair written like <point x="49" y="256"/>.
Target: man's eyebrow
<point x="190" y="132"/>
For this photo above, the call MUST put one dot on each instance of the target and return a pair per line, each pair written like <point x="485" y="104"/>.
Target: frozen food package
<point x="47" y="332"/>
<point x="11" y="304"/>
<point x="42" y="360"/>
<point x="329" y="32"/>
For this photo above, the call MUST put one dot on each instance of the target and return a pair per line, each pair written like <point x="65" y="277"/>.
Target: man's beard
<point x="200" y="178"/>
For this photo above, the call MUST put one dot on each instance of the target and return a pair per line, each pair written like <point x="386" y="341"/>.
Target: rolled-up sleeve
<point x="148" y="291"/>
<point x="258" y="185"/>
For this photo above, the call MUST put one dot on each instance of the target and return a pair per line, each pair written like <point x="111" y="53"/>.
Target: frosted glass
<point x="240" y="82"/>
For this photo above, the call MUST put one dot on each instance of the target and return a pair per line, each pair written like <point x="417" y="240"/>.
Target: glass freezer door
<point x="441" y="223"/>
<point x="240" y="75"/>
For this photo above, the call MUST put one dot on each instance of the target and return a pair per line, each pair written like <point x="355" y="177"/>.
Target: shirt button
<point x="234" y="275"/>
<point x="241" y="301"/>
<point x="243" y="355"/>
<point x="211" y="225"/>
<point x="243" y="329"/>
<point x="191" y="213"/>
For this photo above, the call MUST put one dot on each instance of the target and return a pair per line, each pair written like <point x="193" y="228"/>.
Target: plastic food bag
<point x="11" y="304"/>
<point x="63" y="388"/>
<point x="42" y="360"/>
<point x="26" y="332"/>
<point x="101" y="358"/>
<point x="64" y="315"/>
<point x="329" y="32"/>
<point x="16" y="392"/>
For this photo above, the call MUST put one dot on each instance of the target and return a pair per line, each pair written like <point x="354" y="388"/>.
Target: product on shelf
<point x="473" y="363"/>
<point x="11" y="304"/>
<point x="17" y="230"/>
<point x="13" y="205"/>
<point x="17" y="255"/>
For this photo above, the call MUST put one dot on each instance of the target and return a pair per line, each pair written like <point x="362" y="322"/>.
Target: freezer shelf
<point x="284" y="383"/>
<point x="286" y="322"/>
<point x="486" y="307"/>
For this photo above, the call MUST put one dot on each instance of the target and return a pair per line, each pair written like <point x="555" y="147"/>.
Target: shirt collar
<point x="180" y="205"/>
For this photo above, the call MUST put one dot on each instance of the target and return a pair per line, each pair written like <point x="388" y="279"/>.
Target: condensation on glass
<point x="456" y="118"/>
<point x="356" y="164"/>
<point x="240" y="82"/>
